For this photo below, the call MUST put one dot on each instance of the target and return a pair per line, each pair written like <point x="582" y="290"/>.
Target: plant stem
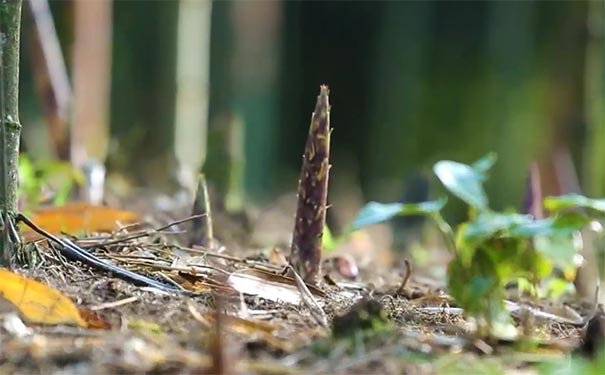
<point x="10" y="128"/>
<point x="305" y="252"/>
<point x="448" y="234"/>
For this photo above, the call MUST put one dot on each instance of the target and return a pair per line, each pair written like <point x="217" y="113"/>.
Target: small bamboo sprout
<point x="305" y="252"/>
<point x="202" y="230"/>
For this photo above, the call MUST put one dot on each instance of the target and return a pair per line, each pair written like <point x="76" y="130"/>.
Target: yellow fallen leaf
<point x="37" y="302"/>
<point x="76" y="218"/>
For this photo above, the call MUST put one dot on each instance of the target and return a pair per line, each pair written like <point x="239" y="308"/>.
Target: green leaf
<point x="375" y="213"/>
<point x="560" y="225"/>
<point x="484" y="164"/>
<point x="562" y="202"/>
<point x="465" y="181"/>
<point x="560" y="249"/>
<point x="555" y="288"/>
<point x="327" y="240"/>
<point x="487" y="224"/>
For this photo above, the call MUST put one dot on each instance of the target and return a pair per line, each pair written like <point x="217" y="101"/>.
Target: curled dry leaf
<point x="77" y="218"/>
<point x="268" y="285"/>
<point x="277" y="258"/>
<point x="41" y="304"/>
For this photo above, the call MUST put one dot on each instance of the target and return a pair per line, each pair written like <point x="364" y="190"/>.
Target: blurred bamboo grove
<point x="411" y="83"/>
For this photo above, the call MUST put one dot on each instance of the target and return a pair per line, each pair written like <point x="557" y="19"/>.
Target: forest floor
<point x="234" y="311"/>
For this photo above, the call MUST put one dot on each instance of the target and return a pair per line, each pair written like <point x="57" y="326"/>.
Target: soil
<point x="373" y="325"/>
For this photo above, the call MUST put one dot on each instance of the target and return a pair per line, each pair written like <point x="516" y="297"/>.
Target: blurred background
<point x="158" y="89"/>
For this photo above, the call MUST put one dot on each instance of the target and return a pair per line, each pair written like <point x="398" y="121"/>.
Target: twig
<point x="142" y="234"/>
<point x="110" y="305"/>
<point x="406" y="278"/>
<point x="316" y="311"/>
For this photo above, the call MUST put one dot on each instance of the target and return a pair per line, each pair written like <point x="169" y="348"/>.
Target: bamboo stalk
<point x="92" y="81"/>
<point x="50" y="75"/>
<point x="192" y="70"/>
<point x="10" y="127"/>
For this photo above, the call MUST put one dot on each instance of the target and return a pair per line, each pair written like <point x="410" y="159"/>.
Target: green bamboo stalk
<point x="10" y="128"/>
<point x="305" y="251"/>
<point x="594" y="152"/>
<point x="192" y="75"/>
<point x="50" y="75"/>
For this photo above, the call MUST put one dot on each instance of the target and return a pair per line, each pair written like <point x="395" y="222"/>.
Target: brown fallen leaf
<point x="76" y="218"/>
<point x="37" y="302"/>
<point x="263" y="331"/>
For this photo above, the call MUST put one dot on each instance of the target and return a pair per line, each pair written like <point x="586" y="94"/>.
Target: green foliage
<point x="492" y="248"/>
<point x="54" y="176"/>
<point x="328" y="242"/>
<point x="576" y="366"/>
<point x="465" y="181"/>
<point x="495" y="248"/>
<point x="375" y="213"/>
<point x="556" y="204"/>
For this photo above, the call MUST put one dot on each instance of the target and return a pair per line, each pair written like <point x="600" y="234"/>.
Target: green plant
<point x="35" y="178"/>
<point x="492" y="248"/>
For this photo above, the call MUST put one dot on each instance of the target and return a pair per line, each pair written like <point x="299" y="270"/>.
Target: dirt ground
<point x="215" y="324"/>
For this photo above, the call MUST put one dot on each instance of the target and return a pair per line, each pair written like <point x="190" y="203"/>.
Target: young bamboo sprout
<point x="305" y="252"/>
<point x="201" y="232"/>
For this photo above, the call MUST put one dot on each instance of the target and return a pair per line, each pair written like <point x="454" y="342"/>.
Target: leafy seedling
<point x="493" y="249"/>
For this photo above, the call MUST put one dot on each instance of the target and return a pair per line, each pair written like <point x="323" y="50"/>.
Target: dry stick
<point x="305" y="252"/>
<point x="201" y="227"/>
<point x="406" y="278"/>
<point x="316" y="311"/>
<point x="135" y="236"/>
<point x="111" y="305"/>
<point x="220" y="363"/>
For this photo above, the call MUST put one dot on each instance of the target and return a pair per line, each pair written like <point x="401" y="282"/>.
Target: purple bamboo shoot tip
<point x="305" y="252"/>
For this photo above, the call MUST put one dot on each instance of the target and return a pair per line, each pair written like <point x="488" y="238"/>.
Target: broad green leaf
<point x="463" y="181"/>
<point x="484" y="164"/>
<point x="560" y="225"/>
<point x="375" y="213"/>
<point x="560" y="249"/>
<point x="487" y="224"/>
<point x="568" y="201"/>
